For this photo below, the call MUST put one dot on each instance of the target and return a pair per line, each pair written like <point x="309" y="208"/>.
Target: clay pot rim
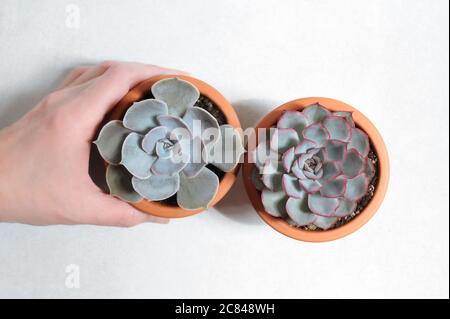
<point x="327" y="235"/>
<point x="137" y="93"/>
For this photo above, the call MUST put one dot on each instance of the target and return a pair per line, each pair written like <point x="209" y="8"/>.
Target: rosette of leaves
<point x="314" y="168"/>
<point x="163" y="145"/>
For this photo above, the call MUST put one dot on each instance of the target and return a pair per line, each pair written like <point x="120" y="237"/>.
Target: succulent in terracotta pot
<point x="164" y="148"/>
<point x="319" y="170"/>
<point x="317" y="174"/>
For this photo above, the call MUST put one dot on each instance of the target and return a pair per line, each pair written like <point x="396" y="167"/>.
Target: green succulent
<point x="163" y="145"/>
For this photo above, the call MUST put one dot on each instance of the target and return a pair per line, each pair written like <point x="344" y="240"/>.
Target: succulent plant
<point x="314" y="168"/>
<point x="163" y="145"/>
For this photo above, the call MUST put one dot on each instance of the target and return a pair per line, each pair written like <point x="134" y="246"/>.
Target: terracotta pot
<point x="139" y="92"/>
<point x="383" y="171"/>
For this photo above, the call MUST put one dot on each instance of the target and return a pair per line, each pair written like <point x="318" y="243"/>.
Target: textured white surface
<point x="388" y="58"/>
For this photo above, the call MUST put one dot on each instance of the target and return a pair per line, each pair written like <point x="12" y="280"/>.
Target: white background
<point x="387" y="58"/>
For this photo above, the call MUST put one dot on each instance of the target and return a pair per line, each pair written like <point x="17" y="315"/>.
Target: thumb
<point x="110" y="211"/>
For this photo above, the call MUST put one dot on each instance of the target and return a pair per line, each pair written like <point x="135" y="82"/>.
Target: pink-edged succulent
<point x="314" y="169"/>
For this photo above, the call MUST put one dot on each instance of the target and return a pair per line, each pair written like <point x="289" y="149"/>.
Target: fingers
<point x="72" y="76"/>
<point x="91" y="73"/>
<point x="115" y="83"/>
<point x="110" y="211"/>
<point x="169" y="70"/>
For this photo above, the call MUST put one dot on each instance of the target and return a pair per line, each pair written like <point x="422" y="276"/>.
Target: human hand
<point x="44" y="156"/>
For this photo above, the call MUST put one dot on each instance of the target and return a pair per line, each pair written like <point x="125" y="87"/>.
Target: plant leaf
<point x="310" y="186"/>
<point x="347" y="115"/>
<point x="272" y="167"/>
<point x="227" y="152"/>
<point x="272" y="175"/>
<point x="330" y="171"/>
<point x="356" y="187"/>
<point x="369" y="170"/>
<point x="297" y="170"/>
<point x="360" y="142"/>
<point x="272" y="181"/>
<point x="176" y="127"/>
<point x="262" y="153"/>
<point x="304" y="146"/>
<point x="288" y="159"/>
<point x="335" y="150"/>
<point x="325" y="222"/>
<point x="119" y="183"/>
<point x="178" y="94"/>
<point x="110" y="141"/>
<point x="202" y="124"/>
<point x="141" y="116"/>
<point x="316" y="133"/>
<point x="168" y="166"/>
<point x="257" y="179"/>
<point x="283" y="139"/>
<point x="134" y="158"/>
<point x="322" y="206"/>
<point x="291" y="186"/>
<point x="293" y="119"/>
<point x="353" y="164"/>
<point x="334" y="188"/>
<point x="298" y="211"/>
<point x="274" y="202"/>
<point x="315" y="113"/>
<point x="338" y="128"/>
<point x="346" y="207"/>
<point x="152" y="137"/>
<point x="156" y="187"/>
<point x="199" y="191"/>
<point x="198" y="158"/>
<point x="313" y="176"/>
